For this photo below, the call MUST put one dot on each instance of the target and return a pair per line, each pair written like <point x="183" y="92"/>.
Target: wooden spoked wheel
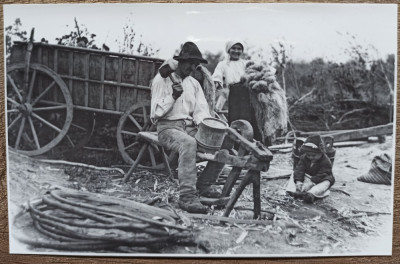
<point x="39" y="108"/>
<point x="133" y="121"/>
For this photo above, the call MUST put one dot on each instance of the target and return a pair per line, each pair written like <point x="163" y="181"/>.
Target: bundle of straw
<point x="267" y="98"/>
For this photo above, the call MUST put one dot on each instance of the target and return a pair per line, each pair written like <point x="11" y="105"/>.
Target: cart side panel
<point x="63" y="63"/>
<point x="95" y="95"/>
<point x="63" y="68"/>
<point x="45" y="56"/>
<point x="17" y="53"/>
<point x="110" y="97"/>
<point x="128" y="98"/>
<point x="112" y="68"/>
<point x="143" y="95"/>
<point x="128" y="71"/>
<point x="78" y="93"/>
<point x="96" y="73"/>
<point x="95" y="66"/>
<point x="146" y="72"/>
<point x="80" y="65"/>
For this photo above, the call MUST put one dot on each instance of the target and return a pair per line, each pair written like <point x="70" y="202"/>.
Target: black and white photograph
<point x="223" y="130"/>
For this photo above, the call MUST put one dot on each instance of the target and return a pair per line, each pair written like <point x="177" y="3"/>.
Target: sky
<point x="308" y="30"/>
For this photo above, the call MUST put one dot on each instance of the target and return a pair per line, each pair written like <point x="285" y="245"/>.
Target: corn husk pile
<point x="267" y="97"/>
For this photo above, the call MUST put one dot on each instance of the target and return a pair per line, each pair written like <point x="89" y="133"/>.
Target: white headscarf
<point x="230" y="44"/>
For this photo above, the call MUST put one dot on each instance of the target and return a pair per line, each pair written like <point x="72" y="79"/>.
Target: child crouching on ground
<point x="312" y="177"/>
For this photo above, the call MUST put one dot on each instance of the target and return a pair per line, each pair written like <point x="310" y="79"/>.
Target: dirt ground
<point x="332" y="226"/>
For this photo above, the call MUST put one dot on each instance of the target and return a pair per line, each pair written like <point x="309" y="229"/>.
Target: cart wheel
<point x="133" y="121"/>
<point x="37" y="117"/>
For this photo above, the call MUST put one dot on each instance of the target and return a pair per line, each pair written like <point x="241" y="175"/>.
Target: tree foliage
<point x="13" y="33"/>
<point x="79" y="36"/>
<point x="354" y="94"/>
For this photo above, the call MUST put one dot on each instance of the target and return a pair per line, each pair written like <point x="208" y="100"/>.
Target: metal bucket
<point x="210" y="135"/>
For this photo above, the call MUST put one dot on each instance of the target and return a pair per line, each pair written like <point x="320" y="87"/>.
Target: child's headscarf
<point x="313" y="144"/>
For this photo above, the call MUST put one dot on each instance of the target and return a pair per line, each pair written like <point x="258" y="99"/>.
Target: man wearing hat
<point x="312" y="175"/>
<point x="177" y="108"/>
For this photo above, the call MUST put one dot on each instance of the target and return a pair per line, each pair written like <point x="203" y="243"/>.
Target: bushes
<point x="349" y="95"/>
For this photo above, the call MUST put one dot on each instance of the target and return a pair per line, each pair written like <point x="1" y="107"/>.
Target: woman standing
<point x="227" y="78"/>
<point x="229" y="71"/>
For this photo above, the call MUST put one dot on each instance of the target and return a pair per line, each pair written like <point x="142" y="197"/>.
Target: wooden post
<point x="233" y="176"/>
<point x="256" y="193"/>
<point x="248" y="178"/>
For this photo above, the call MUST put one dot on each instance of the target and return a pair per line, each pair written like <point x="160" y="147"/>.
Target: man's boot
<point x="191" y="203"/>
<point x="205" y="183"/>
<point x="210" y="192"/>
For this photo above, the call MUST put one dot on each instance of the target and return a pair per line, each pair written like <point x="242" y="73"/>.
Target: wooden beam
<point x="222" y="156"/>
<point x="257" y="149"/>
<point x="362" y="133"/>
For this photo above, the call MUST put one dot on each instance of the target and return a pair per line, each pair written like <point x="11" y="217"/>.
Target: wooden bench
<point x="252" y="156"/>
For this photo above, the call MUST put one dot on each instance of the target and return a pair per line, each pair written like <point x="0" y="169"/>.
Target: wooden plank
<point x="119" y="78"/>
<point x="39" y="78"/>
<point x="85" y="50"/>
<point x="44" y="56"/>
<point x="94" y="91"/>
<point x="128" y="97"/>
<point x="259" y="151"/>
<point x="362" y="133"/>
<point x="70" y="72"/>
<point x="63" y="63"/>
<point x="109" y="97"/>
<point x="146" y="73"/>
<point x="51" y="54"/>
<point x="128" y="71"/>
<point x="18" y="53"/>
<point x="105" y="111"/>
<point x="135" y="93"/>
<point x="222" y="156"/>
<point x="112" y="65"/>
<point x="140" y="87"/>
<point x="142" y="95"/>
<point x="341" y="144"/>
<point x="79" y="65"/>
<point x="86" y="71"/>
<point x="55" y="60"/>
<point x="95" y="64"/>
<point x="78" y="93"/>
<point x="39" y="55"/>
<point x="102" y="75"/>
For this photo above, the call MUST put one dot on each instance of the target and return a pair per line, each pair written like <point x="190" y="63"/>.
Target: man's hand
<point x="177" y="90"/>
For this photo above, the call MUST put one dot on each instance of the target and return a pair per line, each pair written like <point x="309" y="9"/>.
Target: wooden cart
<point x="47" y="85"/>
